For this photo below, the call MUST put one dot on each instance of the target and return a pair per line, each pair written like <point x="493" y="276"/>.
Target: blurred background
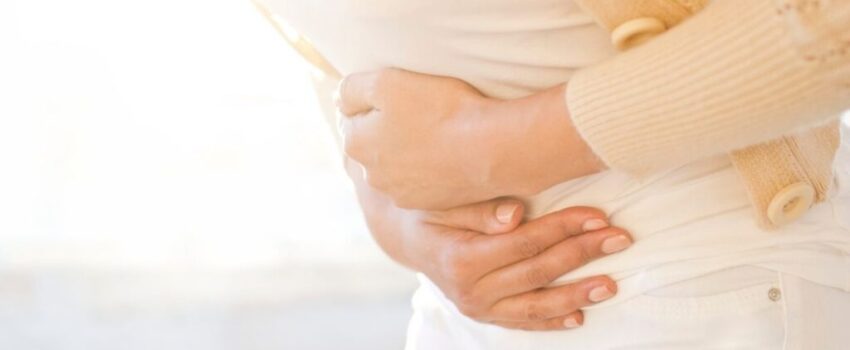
<point x="167" y="182"/>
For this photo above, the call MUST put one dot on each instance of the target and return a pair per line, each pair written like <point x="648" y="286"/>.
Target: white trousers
<point x="739" y="308"/>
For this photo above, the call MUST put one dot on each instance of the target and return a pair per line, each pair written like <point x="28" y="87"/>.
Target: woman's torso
<point x="505" y="48"/>
<point x="687" y="222"/>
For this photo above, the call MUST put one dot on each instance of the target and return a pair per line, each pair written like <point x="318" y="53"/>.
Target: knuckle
<point x="466" y="310"/>
<point x="407" y="200"/>
<point x="555" y="226"/>
<point x="469" y="305"/>
<point x="385" y="77"/>
<point x="577" y="254"/>
<point x="525" y="247"/>
<point x="376" y="181"/>
<point x="457" y="264"/>
<point x="537" y="276"/>
<point x="485" y="213"/>
<point x="585" y="253"/>
<point x="572" y="302"/>
<point x="532" y="312"/>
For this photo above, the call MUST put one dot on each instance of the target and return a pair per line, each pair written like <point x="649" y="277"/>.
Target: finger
<point x="358" y="135"/>
<point x="556" y="261"/>
<point x="573" y="320"/>
<point x="535" y="236"/>
<point x="547" y="303"/>
<point x="356" y="93"/>
<point x="490" y="217"/>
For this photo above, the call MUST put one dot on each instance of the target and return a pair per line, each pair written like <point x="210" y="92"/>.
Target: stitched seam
<point x="784" y="304"/>
<point x="792" y="147"/>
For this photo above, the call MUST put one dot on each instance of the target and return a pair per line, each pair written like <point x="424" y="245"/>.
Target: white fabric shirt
<point x="687" y="222"/>
<point x="504" y="49"/>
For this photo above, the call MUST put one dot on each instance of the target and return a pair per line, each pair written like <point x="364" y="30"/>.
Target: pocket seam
<point x="732" y="302"/>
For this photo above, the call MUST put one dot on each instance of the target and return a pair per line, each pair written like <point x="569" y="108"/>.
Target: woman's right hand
<point x="496" y="269"/>
<point x="491" y="265"/>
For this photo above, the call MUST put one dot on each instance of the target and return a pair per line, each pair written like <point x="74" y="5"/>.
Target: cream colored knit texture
<point x="760" y="75"/>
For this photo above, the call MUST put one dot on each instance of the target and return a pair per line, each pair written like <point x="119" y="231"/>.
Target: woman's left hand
<point x="432" y="142"/>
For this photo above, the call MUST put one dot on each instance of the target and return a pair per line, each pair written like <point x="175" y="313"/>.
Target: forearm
<point x="730" y="77"/>
<point x="434" y="143"/>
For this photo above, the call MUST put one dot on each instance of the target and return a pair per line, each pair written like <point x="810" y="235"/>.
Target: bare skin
<point x="432" y="142"/>
<point x="419" y="141"/>
<point x="491" y="265"/>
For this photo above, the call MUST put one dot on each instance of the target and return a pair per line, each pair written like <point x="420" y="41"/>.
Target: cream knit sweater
<point x="739" y="73"/>
<point x="763" y="80"/>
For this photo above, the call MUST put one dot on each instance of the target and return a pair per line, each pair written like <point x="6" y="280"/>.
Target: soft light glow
<point x="164" y="133"/>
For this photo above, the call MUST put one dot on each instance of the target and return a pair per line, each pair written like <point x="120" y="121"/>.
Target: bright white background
<point x="166" y="182"/>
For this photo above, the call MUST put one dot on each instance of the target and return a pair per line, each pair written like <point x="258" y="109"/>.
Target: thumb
<point x="356" y="93"/>
<point x="491" y="217"/>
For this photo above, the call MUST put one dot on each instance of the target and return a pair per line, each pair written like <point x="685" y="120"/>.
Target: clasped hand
<point x="432" y="142"/>
<point x="497" y="269"/>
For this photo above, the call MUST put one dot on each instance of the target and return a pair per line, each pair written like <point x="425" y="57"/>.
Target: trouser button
<point x="774" y="294"/>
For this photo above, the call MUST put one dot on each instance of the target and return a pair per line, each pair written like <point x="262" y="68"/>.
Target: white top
<point x="503" y="49"/>
<point x="687" y="222"/>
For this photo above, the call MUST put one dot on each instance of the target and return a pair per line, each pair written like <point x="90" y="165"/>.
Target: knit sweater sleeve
<point x="736" y="74"/>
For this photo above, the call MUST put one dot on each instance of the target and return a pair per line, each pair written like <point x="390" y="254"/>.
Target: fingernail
<point x="599" y="294"/>
<point x="505" y="212"/>
<point x="571" y="322"/>
<point x="615" y="244"/>
<point x="594" y="224"/>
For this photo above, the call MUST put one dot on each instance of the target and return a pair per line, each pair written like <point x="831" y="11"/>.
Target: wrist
<point x="584" y="159"/>
<point x="535" y="144"/>
<point x="479" y="138"/>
